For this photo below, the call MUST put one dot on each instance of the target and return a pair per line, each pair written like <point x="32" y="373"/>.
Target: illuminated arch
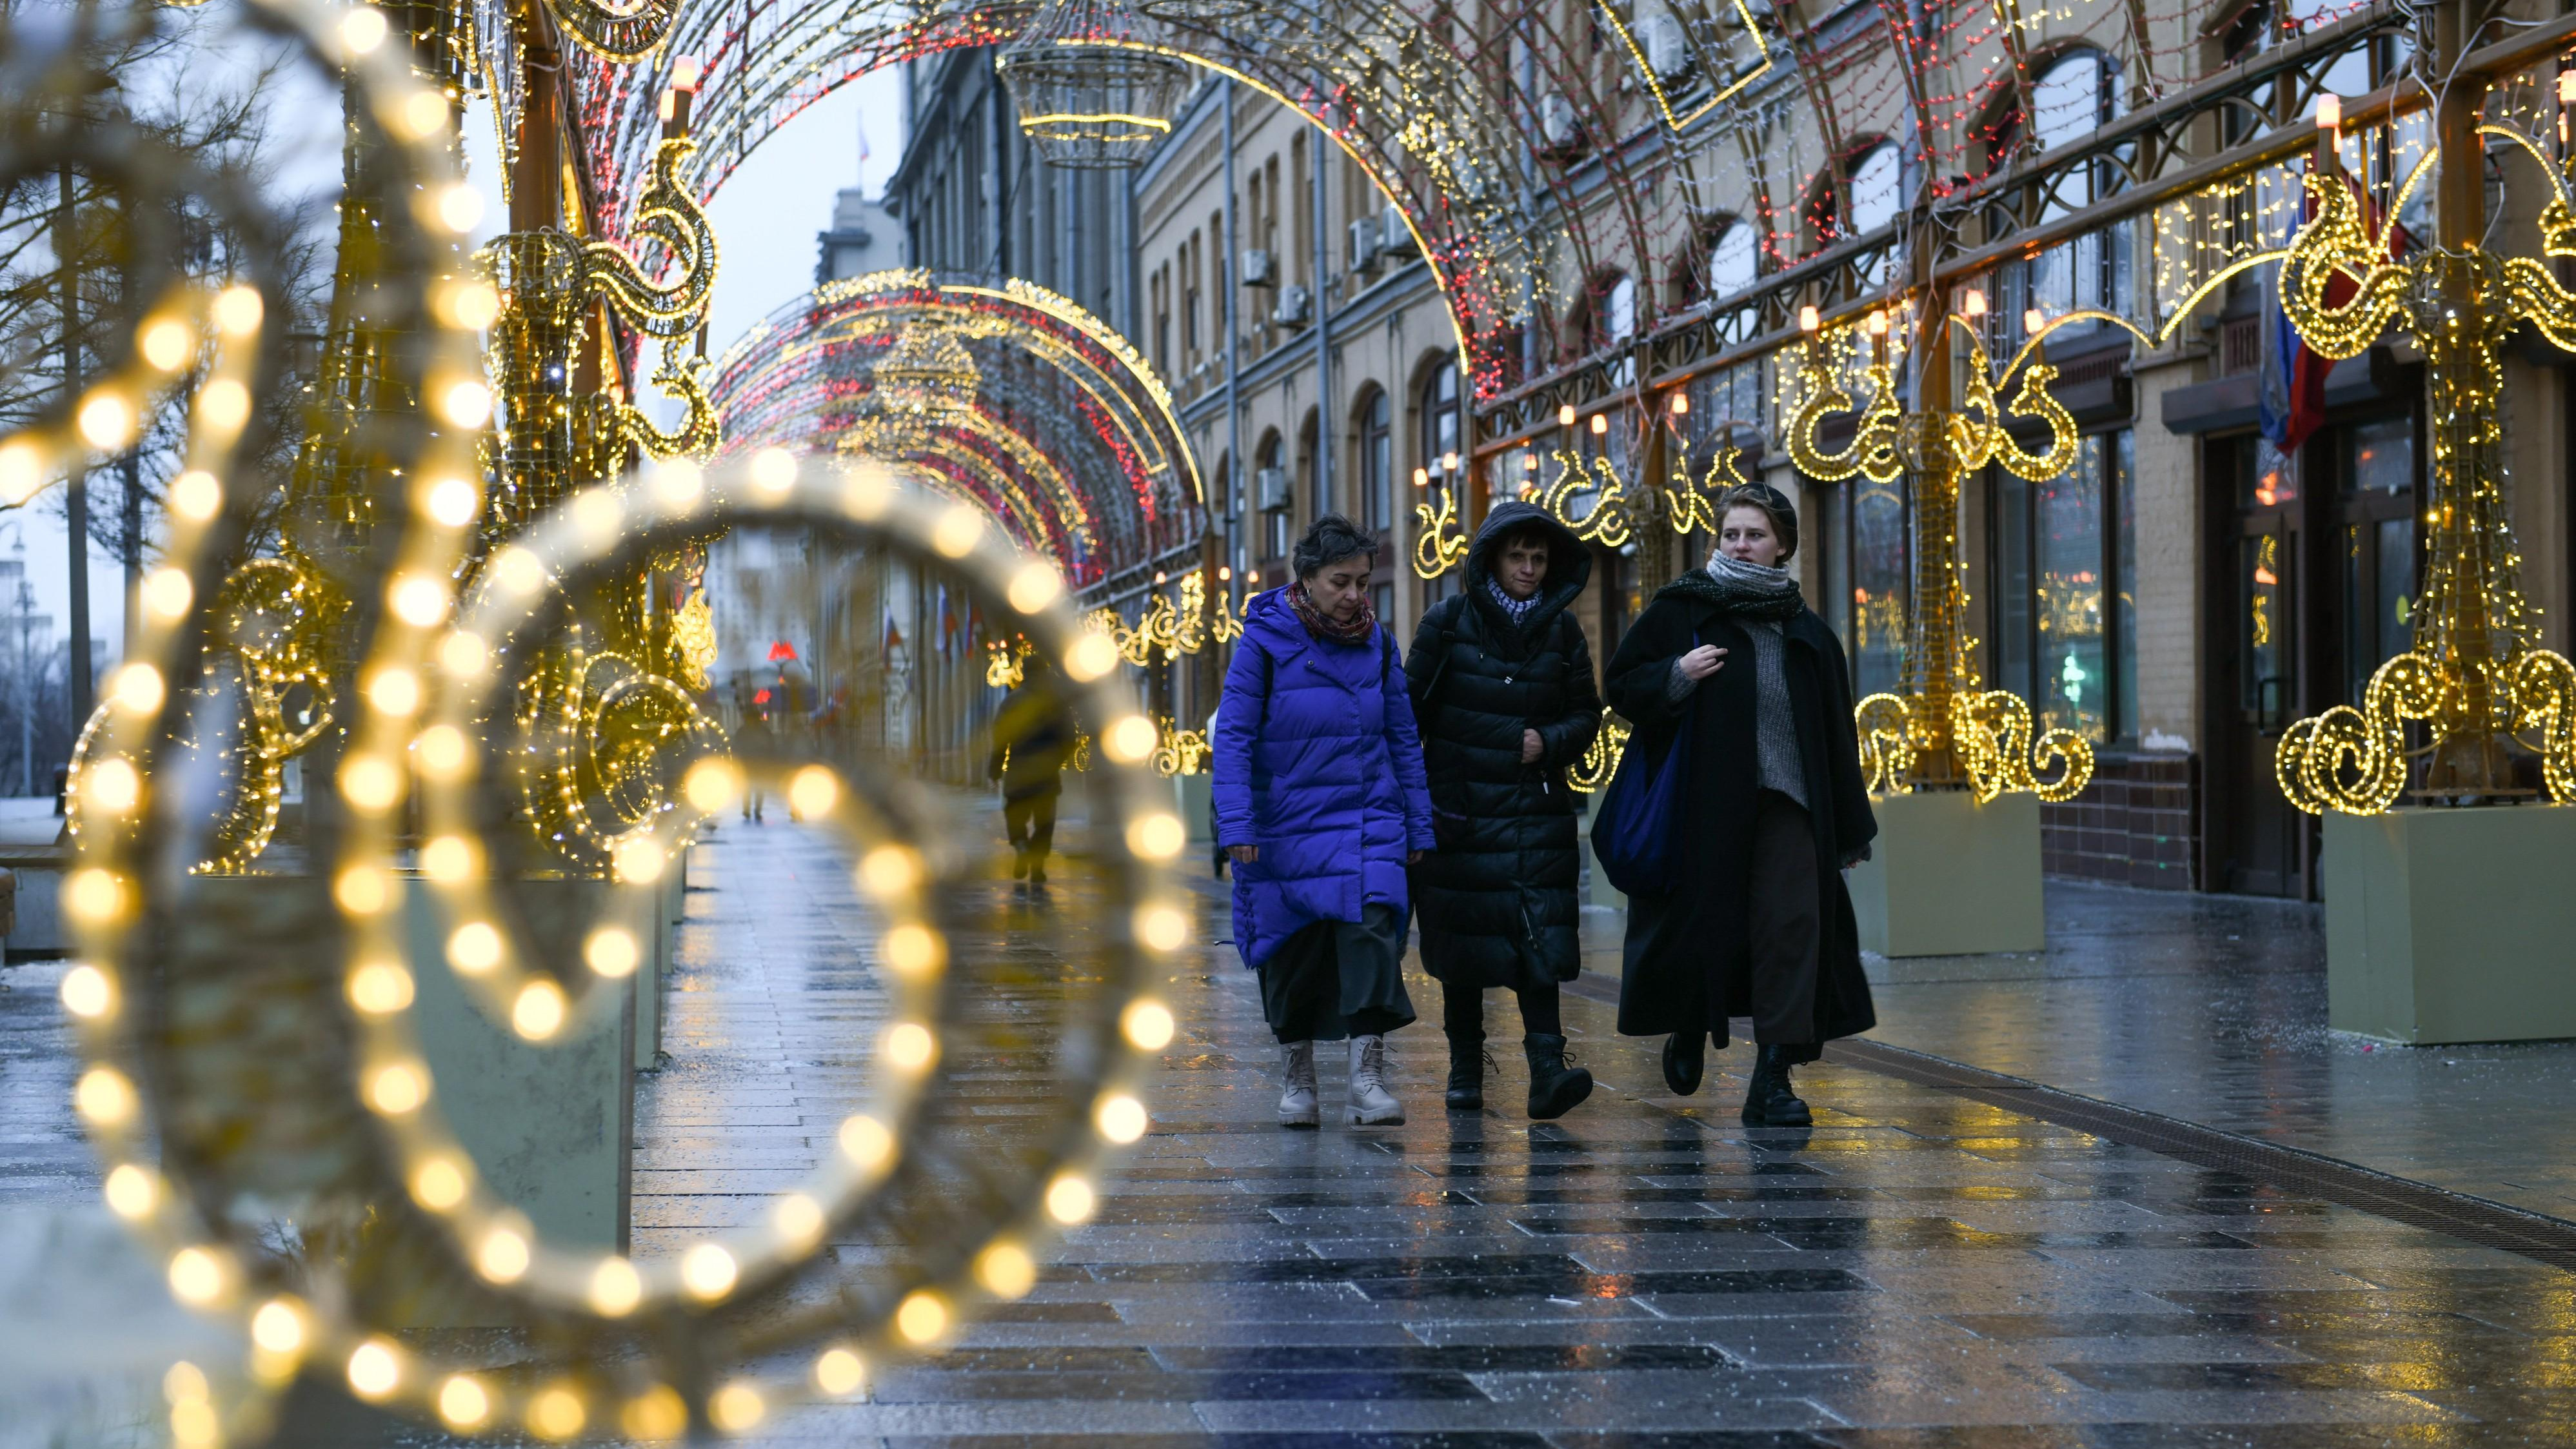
<point x="1072" y="444"/>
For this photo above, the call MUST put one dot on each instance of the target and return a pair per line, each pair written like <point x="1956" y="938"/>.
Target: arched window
<point x="1270" y="495"/>
<point x="1878" y="189"/>
<point x="1440" y="419"/>
<point x="2073" y="97"/>
<point x="1376" y="488"/>
<point x="1733" y="261"/>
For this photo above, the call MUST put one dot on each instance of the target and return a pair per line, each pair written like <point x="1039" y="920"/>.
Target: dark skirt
<point x="1336" y="979"/>
<point x="1785" y="927"/>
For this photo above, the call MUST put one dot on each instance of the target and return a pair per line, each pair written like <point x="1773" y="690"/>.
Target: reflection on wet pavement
<point x="1920" y="1270"/>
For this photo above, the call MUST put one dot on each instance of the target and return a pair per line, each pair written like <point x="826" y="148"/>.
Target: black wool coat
<point x="1497" y="896"/>
<point x="1688" y="954"/>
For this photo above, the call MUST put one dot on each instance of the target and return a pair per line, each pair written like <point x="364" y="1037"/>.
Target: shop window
<point x="2064" y="608"/>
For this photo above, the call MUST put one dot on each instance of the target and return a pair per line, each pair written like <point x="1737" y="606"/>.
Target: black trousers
<point x="1462" y="1011"/>
<point x="1784" y="920"/>
<point x="1031" y="823"/>
<point x="1338" y="979"/>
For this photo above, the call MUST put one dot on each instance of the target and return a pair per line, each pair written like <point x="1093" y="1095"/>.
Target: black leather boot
<point x="1556" y="1086"/>
<point x="1768" y="1099"/>
<point x="1466" y="1073"/>
<point x="1685" y="1057"/>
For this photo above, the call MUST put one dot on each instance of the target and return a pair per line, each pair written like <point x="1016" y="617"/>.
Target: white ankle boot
<point x="1297" y="1107"/>
<point x="1371" y="1104"/>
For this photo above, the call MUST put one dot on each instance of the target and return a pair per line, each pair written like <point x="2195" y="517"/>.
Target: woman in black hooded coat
<point x="1502" y="687"/>
<point x="1773" y="808"/>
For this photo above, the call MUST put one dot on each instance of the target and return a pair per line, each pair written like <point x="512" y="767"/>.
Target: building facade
<point x="2203" y="574"/>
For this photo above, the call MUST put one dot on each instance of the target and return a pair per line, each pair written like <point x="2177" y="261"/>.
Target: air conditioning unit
<point x="1270" y="489"/>
<point x="1667" y="49"/>
<point x="1361" y="256"/>
<point x="1293" y="306"/>
<point x="1259" y="270"/>
<point x="1395" y="236"/>
<point x="1556" y="124"/>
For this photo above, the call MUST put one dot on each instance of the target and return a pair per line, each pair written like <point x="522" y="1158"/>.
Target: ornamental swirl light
<point x="2476" y="677"/>
<point x="1942" y="729"/>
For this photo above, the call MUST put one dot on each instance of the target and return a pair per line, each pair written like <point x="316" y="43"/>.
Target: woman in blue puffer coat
<point x="1321" y="804"/>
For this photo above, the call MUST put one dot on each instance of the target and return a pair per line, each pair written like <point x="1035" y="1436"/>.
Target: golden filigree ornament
<point x="2476" y="678"/>
<point x="693" y="639"/>
<point x="1600" y="762"/>
<point x="1181" y="752"/>
<point x="1991" y="732"/>
<point x="272" y="626"/>
<point x="1691" y="507"/>
<point x="1607" y="519"/>
<point x="1942" y="728"/>
<point x="1441" y="542"/>
<point x="1006" y="661"/>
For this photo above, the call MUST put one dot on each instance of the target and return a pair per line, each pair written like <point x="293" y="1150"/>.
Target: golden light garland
<point x="1441" y="543"/>
<point x="2475" y="675"/>
<point x="1942" y="729"/>
<point x="1600" y="762"/>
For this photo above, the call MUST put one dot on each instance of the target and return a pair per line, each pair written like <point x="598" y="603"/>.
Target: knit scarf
<point x="1516" y="610"/>
<point x="1359" y="630"/>
<point x="1749" y="590"/>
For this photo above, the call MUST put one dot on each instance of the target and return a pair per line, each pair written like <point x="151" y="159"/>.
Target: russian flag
<point x="2292" y="400"/>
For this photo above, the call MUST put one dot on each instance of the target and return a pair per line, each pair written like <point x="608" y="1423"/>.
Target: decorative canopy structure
<point x="999" y="392"/>
<point x="1622" y="195"/>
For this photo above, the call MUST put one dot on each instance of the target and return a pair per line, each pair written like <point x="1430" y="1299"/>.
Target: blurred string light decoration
<point x="1093" y="83"/>
<point x="924" y="385"/>
<point x="2476" y="677"/>
<point x="1601" y="758"/>
<point x="737" y="1322"/>
<point x="1006" y="661"/>
<point x="1942" y="730"/>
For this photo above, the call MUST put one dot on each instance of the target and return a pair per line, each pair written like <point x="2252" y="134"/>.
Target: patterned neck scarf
<point x="1516" y="610"/>
<point x="1747" y="589"/>
<point x="1362" y="626"/>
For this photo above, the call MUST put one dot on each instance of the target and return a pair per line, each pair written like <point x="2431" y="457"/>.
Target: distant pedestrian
<point x="1774" y="808"/>
<point x="1502" y="685"/>
<point x="1030" y="743"/>
<point x="756" y="742"/>
<point x="1320" y="802"/>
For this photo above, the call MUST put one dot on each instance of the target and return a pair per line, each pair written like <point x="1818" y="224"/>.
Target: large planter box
<point x="1950" y="877"/>
<point x="2452" y="925"/>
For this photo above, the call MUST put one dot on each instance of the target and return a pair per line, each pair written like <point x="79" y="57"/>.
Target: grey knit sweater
<point x="1775" y="730"/>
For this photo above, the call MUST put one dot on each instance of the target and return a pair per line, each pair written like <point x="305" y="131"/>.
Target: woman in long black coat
<point x="1773" y="809"/>
<point x="1502" y="686"/>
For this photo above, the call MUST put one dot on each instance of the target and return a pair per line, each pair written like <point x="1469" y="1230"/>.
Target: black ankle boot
<point x="1768" y="1099"/>
<point x="1685" y="1057"/>
<point x="1466" y="1073"/>
<point x="1556" y="1087"/>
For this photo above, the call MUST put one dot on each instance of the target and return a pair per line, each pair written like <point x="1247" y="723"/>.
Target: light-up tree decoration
<point x="2475" y="677"/>
<point x="1944" y="730"/>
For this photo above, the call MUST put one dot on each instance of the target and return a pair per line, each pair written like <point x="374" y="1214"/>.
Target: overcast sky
<point x="766" y="219"/>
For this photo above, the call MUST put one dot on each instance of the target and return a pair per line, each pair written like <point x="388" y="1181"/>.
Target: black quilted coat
<point x="1497" y="897"/>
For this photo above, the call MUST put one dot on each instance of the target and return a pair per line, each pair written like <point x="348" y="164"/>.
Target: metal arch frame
<point x="1332" y="74"/>
<point x="2160" y="154"/>
<point x="1094" y="392"/>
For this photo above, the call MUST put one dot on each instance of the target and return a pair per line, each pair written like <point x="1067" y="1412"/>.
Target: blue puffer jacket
<point x="1317" y="763"/>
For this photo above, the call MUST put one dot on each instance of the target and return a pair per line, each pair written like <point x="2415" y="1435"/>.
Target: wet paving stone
<point x="1918" y="1270"/>
<point x="1921" y="1271"/>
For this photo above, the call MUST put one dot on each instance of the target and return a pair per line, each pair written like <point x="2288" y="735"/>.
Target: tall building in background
<point x="864" y="238"/>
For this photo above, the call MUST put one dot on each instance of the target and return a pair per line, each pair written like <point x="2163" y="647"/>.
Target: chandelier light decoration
<point x="925" y="384"/>
<point x="2476" y="679"/>
<point x="1095" y="87"/>
<point x="1943" y="730"/>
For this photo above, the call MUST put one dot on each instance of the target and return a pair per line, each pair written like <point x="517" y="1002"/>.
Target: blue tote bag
<point x="1636" y="834"/>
